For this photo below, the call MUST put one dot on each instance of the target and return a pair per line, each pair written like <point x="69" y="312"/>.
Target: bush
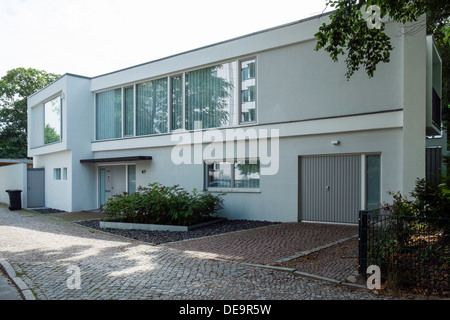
<point x="160" y="204"/>
<point x="413" y="241"/>
<point x="433" y="201"/>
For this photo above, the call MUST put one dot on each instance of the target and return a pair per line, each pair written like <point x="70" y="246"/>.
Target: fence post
<point x="362" y="256"/>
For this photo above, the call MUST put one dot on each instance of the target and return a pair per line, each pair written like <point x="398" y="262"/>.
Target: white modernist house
<point x="264" y="119"/>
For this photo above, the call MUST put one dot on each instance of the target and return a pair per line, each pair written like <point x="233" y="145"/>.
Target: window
<point x="128" y="112"/>
<point x="52" y="118"/>
<point x="246" y="174"/>
<point x="373" y="177"/>
<point x="64" y="174"/>
<point x="216" y="96"/>
<point x="240" y="174"/>
<point x="220" y="175"/>
<point x="210" y="96"/>
<point x="131" y="178"/>
<point x="109" y="114"/>
<point x="57" y="174"/>
<point x="248" y="91"/>
<point x="151" y="107"/>
<point x="248" y="70"/>
<point x="102" y="186"/>
<point x="436" y="109"/>
<point x="176" y="85"/>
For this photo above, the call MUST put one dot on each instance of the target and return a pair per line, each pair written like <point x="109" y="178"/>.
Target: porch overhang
<point x="117" y="159"/>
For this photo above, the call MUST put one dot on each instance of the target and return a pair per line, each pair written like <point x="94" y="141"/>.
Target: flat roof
<point x="193" y="50"/>
<point x="219" y="43"/>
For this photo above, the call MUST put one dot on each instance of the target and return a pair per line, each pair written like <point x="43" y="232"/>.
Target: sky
<point x="94" y="37"/>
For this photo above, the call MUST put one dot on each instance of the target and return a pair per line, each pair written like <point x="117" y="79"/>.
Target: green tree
<point x="15" y="87"/>
<point x="348" y="33"/>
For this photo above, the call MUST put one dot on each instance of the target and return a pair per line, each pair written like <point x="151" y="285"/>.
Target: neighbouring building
<point x="8" y="162"/>
<point x="263" y="118"/>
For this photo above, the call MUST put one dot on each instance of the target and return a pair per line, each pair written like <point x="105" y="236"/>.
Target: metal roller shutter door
<point x="330" y="188"/>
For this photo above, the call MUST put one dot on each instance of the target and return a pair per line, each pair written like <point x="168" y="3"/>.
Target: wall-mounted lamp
<point x="144" y="171"/>
<point x="335" y="142"/>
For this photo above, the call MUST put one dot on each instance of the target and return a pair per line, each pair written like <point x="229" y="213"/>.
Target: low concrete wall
<point x="13" y="177"/>
<point x="153" y="227"/>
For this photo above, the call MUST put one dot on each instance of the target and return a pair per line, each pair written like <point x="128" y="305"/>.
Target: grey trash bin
<point x="15" y="199"/>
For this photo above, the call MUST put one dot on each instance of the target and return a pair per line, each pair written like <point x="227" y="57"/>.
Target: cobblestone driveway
<point x="267" y="245"/>
<point x="42" y="248"/>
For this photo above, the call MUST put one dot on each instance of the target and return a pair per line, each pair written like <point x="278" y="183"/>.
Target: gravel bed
<point x="160" y="237"/>
<point x="48" y="211"/>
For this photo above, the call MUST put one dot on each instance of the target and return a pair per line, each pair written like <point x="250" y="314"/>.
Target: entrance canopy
<point x="117" y="159"/>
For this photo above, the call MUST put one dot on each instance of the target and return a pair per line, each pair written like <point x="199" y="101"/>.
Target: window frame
<point x="57" y="174"/>
<point x="124" y="109"/>
<point x="231" y="189"/>
<point x="168" y="126"/>
<point x="121" y="88"/>
<point x="59" y="95"/>
<point x="240" y="62"/>
<point x="237" y="109"/>
<point x="365" y="185"/>
<point x="183" y="102"/>
<point x="127" y="169"/>
<point x="235" y="105"/>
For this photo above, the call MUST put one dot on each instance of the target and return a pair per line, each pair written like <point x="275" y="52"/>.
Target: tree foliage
<point x="347" y="32"/>
<point x="15" y="87"/>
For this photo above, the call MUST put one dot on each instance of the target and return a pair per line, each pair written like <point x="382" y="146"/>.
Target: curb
<point x="24" y="291"/>
<point x="296" y="272"/>
<point x="307" y="275"/>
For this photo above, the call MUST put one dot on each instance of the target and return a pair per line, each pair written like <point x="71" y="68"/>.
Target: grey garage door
<point x="330" y="188"/>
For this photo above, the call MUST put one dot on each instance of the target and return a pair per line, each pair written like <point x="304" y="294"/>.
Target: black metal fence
<point x="408" y="250"/>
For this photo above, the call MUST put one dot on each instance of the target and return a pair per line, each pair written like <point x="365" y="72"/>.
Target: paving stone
<point x="41" y="249"/>
<point x="268" y="244"/>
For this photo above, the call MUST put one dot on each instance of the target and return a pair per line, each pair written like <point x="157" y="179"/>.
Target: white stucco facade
<point x="301" y="95"/>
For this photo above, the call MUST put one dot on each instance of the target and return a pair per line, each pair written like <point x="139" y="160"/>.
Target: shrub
<point x="433" y="201"/>
<point x="413" y="240"/>
<point x="163" y="205"/>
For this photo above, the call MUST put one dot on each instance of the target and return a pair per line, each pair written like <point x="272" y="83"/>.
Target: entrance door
<point x="330" y="188"/>
<point x="112" y="181"/>
<point x="35" y="188"/>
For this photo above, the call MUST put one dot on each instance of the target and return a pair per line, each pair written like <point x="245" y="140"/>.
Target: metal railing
<point x="407" y="249"/>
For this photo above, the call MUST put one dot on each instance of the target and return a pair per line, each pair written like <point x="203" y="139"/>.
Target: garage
<point x="330" y="188"/>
